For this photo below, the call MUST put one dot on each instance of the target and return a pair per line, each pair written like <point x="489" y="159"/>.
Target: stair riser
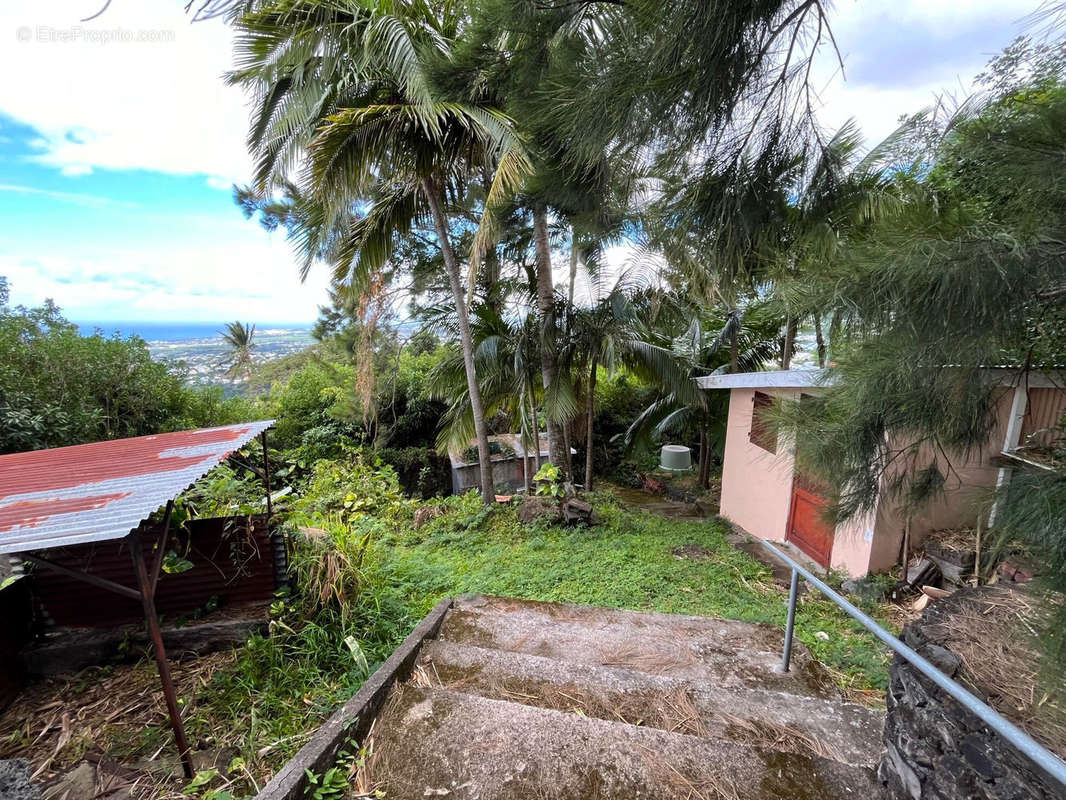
<point x="806" y="726"/>
<point x="699" y="655"/>
<point x="439" y="743"/>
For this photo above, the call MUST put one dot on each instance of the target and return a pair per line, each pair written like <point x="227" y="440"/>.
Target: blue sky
<point x="119" y="143"/>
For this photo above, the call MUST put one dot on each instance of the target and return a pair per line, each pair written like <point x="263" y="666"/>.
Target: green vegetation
<point x="240" y="342"/>
<point x="365" y="574"/>
<point x="963" y="272"/>
<point x="436" y="158"/>
<point x="60" y="388"/>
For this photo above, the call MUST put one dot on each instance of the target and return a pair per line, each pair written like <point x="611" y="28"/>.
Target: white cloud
<point x="901" y="55"/>
<point x="121" y="104"/>
<point x="67" y="197"/>
<point x="163" y="105"/>
<point x="251" y="278"/>
<point x="100" y="100"/>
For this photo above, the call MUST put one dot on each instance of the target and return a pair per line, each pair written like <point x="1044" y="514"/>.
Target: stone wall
<point x="935" y="748"/>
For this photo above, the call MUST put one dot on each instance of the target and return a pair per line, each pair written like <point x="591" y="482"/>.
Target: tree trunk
<point x="536" y="430"/>
<point x="705" y="458"/>
<point x="573" y="265"/>
<point x="588" y="432"/>
<point x="819" y="339"/>
<point x="734" y="350"/>
<point x="526" y="477"/>
<point x="788" y="342"/>
<point x="476" y="406"/>
<point x="558" y="453"/>
<point x="568" y="466"/>
<point x="835" y="322"/>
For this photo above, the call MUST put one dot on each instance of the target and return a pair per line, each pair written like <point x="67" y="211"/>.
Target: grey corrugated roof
<point x="778" y="379"/>
<point x="99" y="491"/>
<point x="804" y="378"/>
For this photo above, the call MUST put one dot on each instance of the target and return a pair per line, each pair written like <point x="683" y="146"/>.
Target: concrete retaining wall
<point x="354" y="718"/>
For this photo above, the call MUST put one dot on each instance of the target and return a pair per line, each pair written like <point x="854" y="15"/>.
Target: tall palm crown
<point x="347" y="110"/>
<point x="240" y="342"/>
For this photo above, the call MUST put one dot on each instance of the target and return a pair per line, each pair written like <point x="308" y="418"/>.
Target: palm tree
<point x="838" y="196"/>
<point x="344" y="92"/>
<point x="240" y="342"/>
<point x="711" y="343"/>
<point x="507" y="358"/>
<point x="612" y="333"/>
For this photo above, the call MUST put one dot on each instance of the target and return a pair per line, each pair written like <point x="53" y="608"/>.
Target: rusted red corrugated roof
<point x="93" y="492"/>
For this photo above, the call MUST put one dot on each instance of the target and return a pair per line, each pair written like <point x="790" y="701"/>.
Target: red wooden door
<point x="808" y="528"/>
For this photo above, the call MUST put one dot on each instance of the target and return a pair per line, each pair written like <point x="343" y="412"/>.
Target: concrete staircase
<point x="517" y="700"/>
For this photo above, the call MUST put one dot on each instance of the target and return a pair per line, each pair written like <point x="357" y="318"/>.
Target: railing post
<point x="793" y="590"/>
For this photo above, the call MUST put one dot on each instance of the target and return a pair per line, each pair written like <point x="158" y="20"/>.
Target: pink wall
<point x="970" y="482"/>
<point x="757" y="493"/>
<point x="756" y="485"/>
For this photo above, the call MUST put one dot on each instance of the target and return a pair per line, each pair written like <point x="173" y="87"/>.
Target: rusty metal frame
<point x="151" y="618"/>
<point x="147" y="578"/>
<point x="85" y="577"/>
<point x="266" y="478"/>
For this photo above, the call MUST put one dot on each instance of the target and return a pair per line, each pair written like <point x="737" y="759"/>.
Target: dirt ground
<point x="59" y="725"/>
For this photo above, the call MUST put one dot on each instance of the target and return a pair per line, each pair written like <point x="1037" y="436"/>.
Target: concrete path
<point x="516" y="699"/>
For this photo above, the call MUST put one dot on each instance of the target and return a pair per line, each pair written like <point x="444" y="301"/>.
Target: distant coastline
<point x="201" y="348"/>
<point x="181" y="331"/>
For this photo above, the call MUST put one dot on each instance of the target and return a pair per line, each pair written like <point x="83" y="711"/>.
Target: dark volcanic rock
<point x="15" y="781"/>
<point x="934" y="748"/>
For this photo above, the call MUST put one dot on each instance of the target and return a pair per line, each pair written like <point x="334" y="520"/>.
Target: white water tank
<point x="675" y="458"/>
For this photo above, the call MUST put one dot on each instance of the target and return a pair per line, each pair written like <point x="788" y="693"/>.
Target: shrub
<point x="350" y="489"/>
<point x="58" y="387"/>
<point x="309" y="410"/>
<point x="422" y="471"/>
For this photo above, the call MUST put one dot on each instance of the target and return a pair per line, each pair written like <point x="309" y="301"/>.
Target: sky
<point x="120" y="143"/>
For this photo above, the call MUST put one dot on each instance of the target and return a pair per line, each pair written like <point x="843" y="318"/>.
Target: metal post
<point x="793" y="590"/>
<point x="152" y="620"/>
<point x="266" y="477"/>
<point x="157" y="565"/>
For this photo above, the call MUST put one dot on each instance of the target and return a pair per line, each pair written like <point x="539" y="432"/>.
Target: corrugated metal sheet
<point x="780" y="379"/>
<point x="100" y="491"/>
<point x="233" y="564"/>
<point x="1043" y="416"/>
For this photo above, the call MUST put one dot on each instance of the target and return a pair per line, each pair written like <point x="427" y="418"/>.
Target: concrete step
<point x="844" y="732"/>
<point x="439" y="743"/>
<point x="714" y="651"/>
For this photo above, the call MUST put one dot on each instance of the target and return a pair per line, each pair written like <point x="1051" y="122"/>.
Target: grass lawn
<point x="261" y="703"/>
<point x="627" y="561"/>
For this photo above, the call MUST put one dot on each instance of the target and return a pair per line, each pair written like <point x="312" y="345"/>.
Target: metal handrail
<point x="1028" y="746"/>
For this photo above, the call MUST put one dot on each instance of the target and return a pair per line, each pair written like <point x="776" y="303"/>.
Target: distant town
<point x="205" y="356"/>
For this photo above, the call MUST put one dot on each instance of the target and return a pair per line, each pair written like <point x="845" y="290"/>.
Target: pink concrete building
<point x="765" y="496"/>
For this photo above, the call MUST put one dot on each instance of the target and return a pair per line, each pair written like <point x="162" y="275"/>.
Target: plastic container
<point x="675" y="458"/>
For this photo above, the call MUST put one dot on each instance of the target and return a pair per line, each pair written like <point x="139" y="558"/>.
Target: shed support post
<point x="152" y="621"/>
<point x="266" y="478"/>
